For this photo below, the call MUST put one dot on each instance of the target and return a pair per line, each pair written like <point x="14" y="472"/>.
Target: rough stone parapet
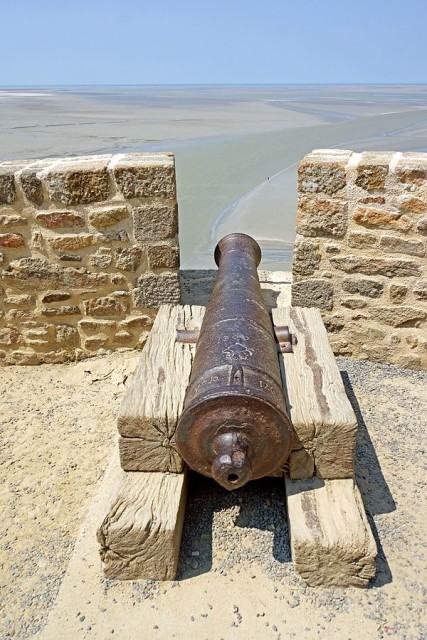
<point x="88" y="251"/>
<point x="360" y="252"/>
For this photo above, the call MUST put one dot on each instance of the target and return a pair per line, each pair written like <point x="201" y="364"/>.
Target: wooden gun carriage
<point x="244" y="405"/>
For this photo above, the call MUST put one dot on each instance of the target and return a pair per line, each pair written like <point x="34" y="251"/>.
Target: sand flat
<point x="228" y="141"/>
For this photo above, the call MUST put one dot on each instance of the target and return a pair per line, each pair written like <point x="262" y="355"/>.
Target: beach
<point x="237" y="148"/>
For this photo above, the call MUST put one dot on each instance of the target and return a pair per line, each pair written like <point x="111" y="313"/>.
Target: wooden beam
<point x="140" y="535"/>
<point x="321" y="414"/>
<point x="153" y="402"/>
<point x="331" y="540"/>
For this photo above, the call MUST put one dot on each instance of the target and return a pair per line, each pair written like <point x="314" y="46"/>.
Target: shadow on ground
<point x="375" y="492"/>
<point x="227" y="523"/>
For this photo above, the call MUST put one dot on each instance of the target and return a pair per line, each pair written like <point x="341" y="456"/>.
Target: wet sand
<point x="237" y="148"/>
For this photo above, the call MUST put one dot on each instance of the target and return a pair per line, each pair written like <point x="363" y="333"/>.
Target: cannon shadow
<point x="239" y="517"/>
<point x="374" y="489"/>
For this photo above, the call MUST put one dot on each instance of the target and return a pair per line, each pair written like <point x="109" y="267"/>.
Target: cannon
<point x="234" y="426"/>
<point x="219" y="406"/>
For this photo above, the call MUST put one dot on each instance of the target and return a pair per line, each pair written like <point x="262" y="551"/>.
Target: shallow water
<point x="237" y="148"/>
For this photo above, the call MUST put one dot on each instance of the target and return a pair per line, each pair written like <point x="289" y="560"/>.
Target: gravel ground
<point x="58" y="428"/>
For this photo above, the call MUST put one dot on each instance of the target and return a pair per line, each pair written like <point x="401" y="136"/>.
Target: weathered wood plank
<point x="153" y="402"/>
<point x="321" y="414"/>
<point x="320" y="411"/>
<point x="331" y="540"/>
<point x="140" y="535"/>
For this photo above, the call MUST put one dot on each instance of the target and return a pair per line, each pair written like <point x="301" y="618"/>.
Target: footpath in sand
<point x="236" y="579"/>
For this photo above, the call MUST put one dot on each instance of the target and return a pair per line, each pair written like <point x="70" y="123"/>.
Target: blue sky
<point x="221" y="41"/>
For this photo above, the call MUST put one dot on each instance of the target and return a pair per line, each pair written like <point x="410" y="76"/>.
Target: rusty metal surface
<point x="234" y="425"/>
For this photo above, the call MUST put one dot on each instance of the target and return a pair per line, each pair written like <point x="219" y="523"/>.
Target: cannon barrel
<point x="234" y="426"/>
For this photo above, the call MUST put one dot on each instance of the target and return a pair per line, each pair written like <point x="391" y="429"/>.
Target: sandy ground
<point x="235" y="577"/>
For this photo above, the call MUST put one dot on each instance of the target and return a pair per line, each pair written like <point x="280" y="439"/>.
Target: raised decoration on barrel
<point x="234" y="426"/>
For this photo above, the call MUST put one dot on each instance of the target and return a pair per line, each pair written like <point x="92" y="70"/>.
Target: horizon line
<point x="216" y="84"/>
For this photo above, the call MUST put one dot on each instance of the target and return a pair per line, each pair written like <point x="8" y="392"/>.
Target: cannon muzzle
<point x="234" y="426"/>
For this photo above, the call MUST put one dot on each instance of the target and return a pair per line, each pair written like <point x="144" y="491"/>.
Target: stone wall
<point x="88" y="250"/>
<point x="360" y="253"/>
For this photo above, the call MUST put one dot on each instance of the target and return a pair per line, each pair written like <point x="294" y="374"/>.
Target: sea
<point x="237" y="148"/>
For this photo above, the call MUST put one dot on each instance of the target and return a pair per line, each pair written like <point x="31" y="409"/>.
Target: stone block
<point x="398" y="316"/>
<point x="306" y="257"/>
<point x="371" y="173"/>
<point x="412" y="170"/>
<point x="354" y="303"/>
<point x="41" y="273"/>
<point x="394" y="244"/>
<point x="72" y="242"/>
<point x="163" y="256"/>
<point x="321" y="217"/>
<point x="413" y="206"/>
<point x="105" y="306"/>
<point x="31" y="185"/>
<point x="332" y="248"/>
<point x="128" y="259"/>
<point x="410" y="361"/>
<point x="376" y="353"/>
<point x="114" y="236"/>
<point x="422" y="226"/>
<point x="146" y="175"/>
<point x="18" y="300"/>
<point x="65" y="310"/>
<point x="12" y="240"/>
<point x="361" y="240"/>
<point x="137" y="322"/>
<point x="389" y="267"/>
<point x="108" y="216"/>
<point x="313" y="293"/>
<point x="317" y="175"/>
<point x="380" y="219"/>
<point x="102" y="258"/>
<point x="123" y="337"/>
<point x="79" y="181"/>
<point x="55" y="296"/>
<point x="155" y="221"/>
<point x="341" y="347"/>
<point x="420" y="290"/>
<point x="372" y="170"/>
<point x="23" y="357"/>
<point x="7" y="186"/>
<point x="69" y="257"/>
<point x="38" y="240"/>
<point x="334" y="323"/>
<point x="59" y="219"/>
<point x="118" y="278"/>
<point x="10" y="336"/>
<point x="95" y="342"/>
<point x="66" y="335"/>
<point x="155" y="290"/>
<point x="365" y="334"/>
<point x="89" y="324"/>
<point x="20" y="314"/>
<point x="398" y="293"/>
<point x="372" y="200"/>
<point x="363" y="287"/>
<point x="13" y="221"/>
